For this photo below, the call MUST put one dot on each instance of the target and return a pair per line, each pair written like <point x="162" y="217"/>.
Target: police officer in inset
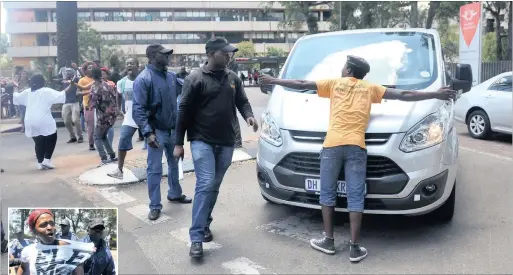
<point x="101" y="262"/>
<point x="65" y="233"/>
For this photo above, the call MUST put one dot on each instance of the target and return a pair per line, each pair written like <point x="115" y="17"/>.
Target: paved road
<point x="253" y="236"/>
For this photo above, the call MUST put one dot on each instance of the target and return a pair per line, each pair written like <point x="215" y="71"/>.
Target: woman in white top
<point x="39" y="122"/>
<point x="48" y="255"/>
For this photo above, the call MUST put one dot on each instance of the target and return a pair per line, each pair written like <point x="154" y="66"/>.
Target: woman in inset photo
<point x="48" y="255"/>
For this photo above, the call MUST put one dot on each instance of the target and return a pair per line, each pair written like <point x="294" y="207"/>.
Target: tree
<point x="433" y="7"/>
<point x="92" y="46"/>
<point x="273" y="51"/>
<point x="489" y="48"/>
<point x="343" y="16"/>
<point x="496" y="8"/>
<point x="4" y="43"/>
<point x="299" y="12"/>
<point x="67" y="32"/>
<point x="246" y="49"/>
<point x="449" y="37"/>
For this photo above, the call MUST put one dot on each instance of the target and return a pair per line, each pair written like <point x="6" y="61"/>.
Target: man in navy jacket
<point x="155" y="112"/>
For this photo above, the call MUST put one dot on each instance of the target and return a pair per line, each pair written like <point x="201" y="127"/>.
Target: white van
<point x="412" y="146"/>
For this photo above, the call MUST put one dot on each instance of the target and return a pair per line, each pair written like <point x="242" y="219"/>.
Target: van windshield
<point x="405" y="60"/>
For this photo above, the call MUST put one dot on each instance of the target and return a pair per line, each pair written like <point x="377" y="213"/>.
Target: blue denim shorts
<point x="351" y="158"/>
<point x="125" y="138"/>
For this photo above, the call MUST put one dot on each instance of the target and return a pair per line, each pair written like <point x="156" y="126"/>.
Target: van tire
<point x="479" y="115"/>
<point x="445" y="213"/>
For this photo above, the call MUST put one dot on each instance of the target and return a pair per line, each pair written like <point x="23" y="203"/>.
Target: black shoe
<point x="80" y="140"/>
<point x="181" y="199"/>
<point x="113" y="158"/>
<point x="72" y="140"/>
<point x="91" y="148"/>
<point x="357" y="253"/>
<point x="208" y="236"/>
<point x="196" y="250"/>
<point x="325" y="245"/>
<point x="154" y="214"/>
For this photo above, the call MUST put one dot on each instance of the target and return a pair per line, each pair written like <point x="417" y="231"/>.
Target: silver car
<point x="412" y="146"/>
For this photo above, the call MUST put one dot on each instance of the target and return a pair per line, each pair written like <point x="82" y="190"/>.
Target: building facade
<point x="183" y="26"/>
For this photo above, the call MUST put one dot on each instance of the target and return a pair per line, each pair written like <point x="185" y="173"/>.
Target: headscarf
<point x="37" y="82"/>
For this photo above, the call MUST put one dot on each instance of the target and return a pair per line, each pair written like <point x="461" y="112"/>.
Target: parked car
<point x="487" y="107"/>
<point x="412" y="146"/>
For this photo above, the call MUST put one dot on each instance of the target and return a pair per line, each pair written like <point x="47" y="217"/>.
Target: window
<point x="122" y="16"/>
<point x="192" y="15"/>
<point x="166" y="16"/>
<point x="41" y="15"/>
<point x="232" y="15"/>
<point x="294" y="36"/>
<point x="103" y="16"/>
<point x="261" y="15"/>
<point x="119" y="38"/>
<point x="43" y="39"/>
<point x="267" y="37"/>
<point x="503" y="84"/>
<point x="150" y="38"/>
<point x="83" y="16"/>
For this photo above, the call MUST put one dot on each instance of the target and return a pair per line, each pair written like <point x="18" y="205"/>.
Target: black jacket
<point x="208" y="107"/>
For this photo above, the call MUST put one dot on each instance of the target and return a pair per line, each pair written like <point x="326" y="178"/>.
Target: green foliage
<point x="273" y="51"/>
<point x="4" y="43"/>
<point x="297" y="13"/>
<point x="90" y="41"/>
<point x="489" y="47"/>
<point x="5" y="62"/>
<point x="449" y="37"/>
<point x="246" y="49"/>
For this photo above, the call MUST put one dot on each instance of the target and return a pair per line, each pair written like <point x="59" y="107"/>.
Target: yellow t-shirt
<point x="350" y="106"/>
<point x="83" y="82"/>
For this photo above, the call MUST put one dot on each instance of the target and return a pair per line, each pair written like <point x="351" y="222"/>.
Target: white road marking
<point x="239" y="155"/>
<point x="115" y="196"/>
<point x="303" y="228"/>
<point x="183" y="236"/>
<point x="242" y="265"/>
<point x="141" y="212"/>
<point x="486" y="154"/>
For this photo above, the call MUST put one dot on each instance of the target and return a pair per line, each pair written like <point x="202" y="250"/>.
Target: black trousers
<point x="45" y="145"/>
<point x="140" y="133"/>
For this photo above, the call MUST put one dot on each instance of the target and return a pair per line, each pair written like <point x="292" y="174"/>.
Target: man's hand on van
<point x="446" y="93"/>
<point x="265" y="79"/>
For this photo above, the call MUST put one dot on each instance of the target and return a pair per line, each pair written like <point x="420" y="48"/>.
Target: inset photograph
<point x="63" y="241"/>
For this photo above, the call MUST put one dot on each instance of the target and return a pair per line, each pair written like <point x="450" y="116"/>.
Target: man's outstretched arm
<point x="406" y="95"/>
<point x="289" y="83"/>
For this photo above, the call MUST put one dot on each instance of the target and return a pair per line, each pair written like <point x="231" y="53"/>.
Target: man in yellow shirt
<point x="84" y="84"/>
<point x="344" y="146"/>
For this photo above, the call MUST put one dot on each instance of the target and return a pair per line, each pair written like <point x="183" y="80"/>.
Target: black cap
<point x="358" y="62"/>
<point x="219" y="43"/>
<point x="65" y="222"/>
<point x="152" y="49"/>
<point x="96" y="222"/>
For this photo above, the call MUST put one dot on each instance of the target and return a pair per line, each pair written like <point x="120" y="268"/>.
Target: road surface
<point x="252" y="236"/>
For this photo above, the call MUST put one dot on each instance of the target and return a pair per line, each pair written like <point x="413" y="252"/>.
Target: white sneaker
<point x="40" y="166"/>
<point x="48" y="164"/>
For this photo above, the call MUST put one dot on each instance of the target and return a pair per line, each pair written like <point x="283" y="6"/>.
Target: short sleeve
<point x="118" y="87"/>
<point x="55" y="97"/>
<point x="377" y="93"/>
<point x="324" y="87"/>
<point x="25" y="254"/>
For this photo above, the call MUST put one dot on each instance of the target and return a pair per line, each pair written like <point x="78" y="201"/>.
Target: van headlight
<point x="270" y="132"/>
<point x="427" y="133"/>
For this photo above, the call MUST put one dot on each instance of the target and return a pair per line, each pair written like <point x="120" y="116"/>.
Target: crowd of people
<point x="89" y="255"/>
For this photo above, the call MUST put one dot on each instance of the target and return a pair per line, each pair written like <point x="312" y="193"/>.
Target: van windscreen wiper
<point x="390" y="86"/>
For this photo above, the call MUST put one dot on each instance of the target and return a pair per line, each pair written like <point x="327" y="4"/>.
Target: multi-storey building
<point x="183" y="26"/>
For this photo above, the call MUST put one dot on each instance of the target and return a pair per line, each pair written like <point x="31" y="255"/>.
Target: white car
<point x="487" y="108"/>
<point x="412" y="146"/>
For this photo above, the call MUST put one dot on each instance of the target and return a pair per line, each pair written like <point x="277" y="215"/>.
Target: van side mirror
<point x="463" y="78"/>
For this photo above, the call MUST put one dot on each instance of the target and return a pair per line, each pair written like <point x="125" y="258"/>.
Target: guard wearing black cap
<point x="101" y="262"/>
<point x="155" y="111"/>
<point x="344" y="146"/>
<point x="65" y="233"/>
<point x="208" y="113"/>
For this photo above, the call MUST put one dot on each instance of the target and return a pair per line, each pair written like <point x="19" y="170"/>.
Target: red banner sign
<point x="470" y="15"/>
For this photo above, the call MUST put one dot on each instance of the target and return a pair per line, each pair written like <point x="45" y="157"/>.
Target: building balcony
<point x="162" y="26"/>
<point x="51" y="51"/>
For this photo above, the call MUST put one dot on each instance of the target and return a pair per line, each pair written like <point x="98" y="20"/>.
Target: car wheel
<point x="444" y="213"/>
<point x="268" y="200"/>
<point x="478" y="125"/>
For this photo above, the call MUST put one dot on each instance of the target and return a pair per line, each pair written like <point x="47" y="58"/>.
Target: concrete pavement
<point x="252" y="236"/>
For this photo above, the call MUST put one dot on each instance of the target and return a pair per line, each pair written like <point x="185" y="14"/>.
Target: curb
<point x="98" y="176"/>
<point x="16" y="129"/>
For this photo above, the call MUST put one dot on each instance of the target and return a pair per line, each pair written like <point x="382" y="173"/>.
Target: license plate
<point x="314" y="185"/>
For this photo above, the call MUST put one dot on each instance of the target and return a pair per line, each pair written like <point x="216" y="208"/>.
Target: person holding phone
<point x="154" y="112"/>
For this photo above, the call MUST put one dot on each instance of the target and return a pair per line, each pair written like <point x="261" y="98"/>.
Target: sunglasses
<point x="98" y="228"/>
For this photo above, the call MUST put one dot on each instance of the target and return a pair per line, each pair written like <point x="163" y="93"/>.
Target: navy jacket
<point x="101" y="262"/>
<point x="154" y="104"/>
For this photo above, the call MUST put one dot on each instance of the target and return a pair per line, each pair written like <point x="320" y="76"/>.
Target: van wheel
<point x="478" y="125"/>
<point x="268" y="200"/>
<point x="445" y="212"/>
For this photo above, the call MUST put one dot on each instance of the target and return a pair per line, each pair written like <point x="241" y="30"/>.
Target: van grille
<point x="309" y="163"/>
<point x="318" y="137"/>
